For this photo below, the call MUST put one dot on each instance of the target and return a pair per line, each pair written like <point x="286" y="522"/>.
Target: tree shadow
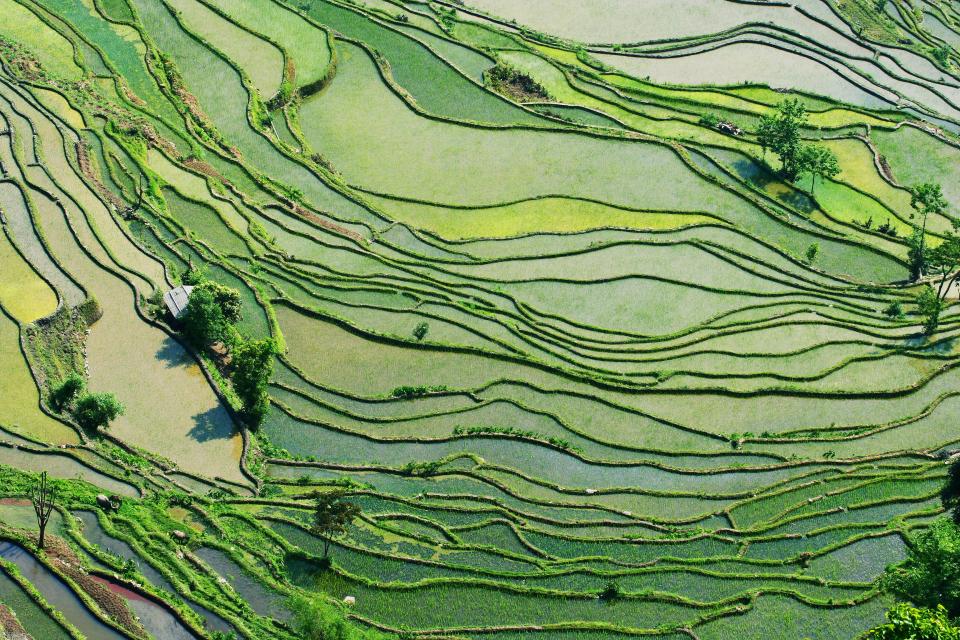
<point x="213" y="424"/>
<point x="172" y="354"/>
<point x="761" y="177"/>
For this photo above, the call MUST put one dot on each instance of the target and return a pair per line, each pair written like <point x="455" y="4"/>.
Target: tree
<point x="950" y="494"/>
<point x="252" y="366"/>
<point x="925" y="198"/>
<point x="67" y="391"/>
<point x="929" y="307"/>
<point x="943" y="263"/>
<point x="931" y="573"/>
<point x="812" y="251"/>
<point x="916" y="253"/>
<point x="203" y="320"/>
<point x="95" y="410"/>
<point x="227" y="298"/>
<point x="210" y="314"/>
<point x="781" y="134"/>
<point x="765" y="133"/>
<point x="819" y="162"/>
<point x="43" y="496"/>
<point x="332" y="516"/>
<point x="910" y="623"/>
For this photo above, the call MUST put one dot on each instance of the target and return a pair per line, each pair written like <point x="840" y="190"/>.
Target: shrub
<point x="517" y="84"/>
<point x="420" y="331"/>
<point x="316" y="620"/>
<point x="611" y="592"/>
<point x="893" y="310"/>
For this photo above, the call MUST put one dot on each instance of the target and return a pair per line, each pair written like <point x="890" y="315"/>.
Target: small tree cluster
<point x="92" y="411"/>
<point x="925" y="198"/>
<point x="517" y="84"/>
<point x="780" y="133"/>
<point x="943" y="263"/>
<point x="210" y="317"/>
<point x="314" y="619"/>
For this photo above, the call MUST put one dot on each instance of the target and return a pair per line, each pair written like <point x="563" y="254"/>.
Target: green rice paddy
<point x="549" y="337"/>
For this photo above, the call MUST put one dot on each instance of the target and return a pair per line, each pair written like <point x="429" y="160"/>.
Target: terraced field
<point x="589" y="365"/>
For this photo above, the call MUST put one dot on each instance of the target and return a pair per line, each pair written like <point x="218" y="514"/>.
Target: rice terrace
<point x="479" y="319"/>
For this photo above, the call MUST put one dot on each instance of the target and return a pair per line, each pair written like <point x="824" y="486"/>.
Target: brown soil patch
<point x="113" y="604"/>
<point x="329" y="225"/>
<point x="10" y="626"/>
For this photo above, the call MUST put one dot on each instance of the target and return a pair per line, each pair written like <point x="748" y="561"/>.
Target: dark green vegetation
<point x="492" y="336"/>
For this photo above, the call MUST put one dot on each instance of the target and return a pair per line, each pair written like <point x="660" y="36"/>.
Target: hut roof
<point x="176" y="300"/>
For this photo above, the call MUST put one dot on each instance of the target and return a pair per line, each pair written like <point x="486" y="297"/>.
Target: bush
<point x="414" y="392"/>
<point x="515" y="83"/>
<point x="611" y="592"/>
<point x="893" y="310"/>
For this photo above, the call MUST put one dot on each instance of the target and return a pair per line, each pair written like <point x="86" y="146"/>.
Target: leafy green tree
<point x="228" y="299"/>
<point x="950" y="494"/>
<point x="916" y="253"/>
<point x="210" y="315"/>
<point x="192" y="276"/>
<point x="67" y="391"/>
<point x="910" y="623"/>
<point x="765" y="133"/>
<point x="332" y="516"/>
<point x="943" y="262"/>
<point x="812" y="251"/>
<point x="925" y="198"/>
<point x="203" y="320"/>
<point x="251" y="368"/>
<point x="819" y="162"/>
<point x="929" y="306"/>
<point x="780" y="133"/>
<point x="95" y="410"/>
<point x="930" y="575"/>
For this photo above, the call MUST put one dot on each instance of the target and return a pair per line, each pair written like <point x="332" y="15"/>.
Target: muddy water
<point x="157" y="620"/>
<point x="57" y="593"/>
<point x="93" y="532"/>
